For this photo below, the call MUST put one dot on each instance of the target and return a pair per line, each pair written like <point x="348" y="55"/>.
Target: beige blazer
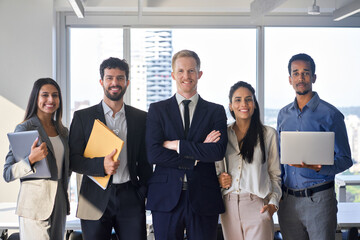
<point x="37" y="196"/>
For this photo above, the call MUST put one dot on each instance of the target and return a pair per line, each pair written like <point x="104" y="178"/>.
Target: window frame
<point x="126" y="21"/>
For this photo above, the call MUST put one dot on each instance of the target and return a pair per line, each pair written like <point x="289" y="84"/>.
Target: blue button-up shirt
<point x="317" y="115"/>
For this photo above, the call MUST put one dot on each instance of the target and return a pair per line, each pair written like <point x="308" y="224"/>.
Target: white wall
<point x="26" y="54"/>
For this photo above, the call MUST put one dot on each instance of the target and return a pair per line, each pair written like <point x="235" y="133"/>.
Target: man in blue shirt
<point x="308" y="209"/>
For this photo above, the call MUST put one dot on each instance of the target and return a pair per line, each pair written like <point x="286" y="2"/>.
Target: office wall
<point x="26" y="54"/>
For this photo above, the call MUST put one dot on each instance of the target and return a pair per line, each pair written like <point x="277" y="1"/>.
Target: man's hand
<point x="110" y="166"/>
<point x="213" y="137"/>
<point x="37" y="153"/>
<point x="270" y="208"/>
<point x="225" y="180"/>
<point x="303" y="165"/>
<point x="171" y="145"/>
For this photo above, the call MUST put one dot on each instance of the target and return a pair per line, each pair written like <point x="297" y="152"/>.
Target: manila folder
<point x="102" y="142"/>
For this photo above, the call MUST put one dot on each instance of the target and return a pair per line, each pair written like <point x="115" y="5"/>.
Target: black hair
<point x="303" y="57"/>
<point x="32" y="106"/>
<point x="111" y="63"/>
<point x="256" y="130"/>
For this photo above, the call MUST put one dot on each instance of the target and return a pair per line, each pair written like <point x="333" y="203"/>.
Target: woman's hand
<point x="270" y="208"/>
<point x="37" y="153"/>
<point x="225" y="180"/>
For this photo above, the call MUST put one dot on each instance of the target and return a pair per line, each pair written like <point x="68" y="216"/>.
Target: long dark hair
<point x="32" y="106"/>
<point x="256" y="129"/>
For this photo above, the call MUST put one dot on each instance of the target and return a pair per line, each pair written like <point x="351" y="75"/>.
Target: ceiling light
<point x="78" y="7"/>
<point x="314" y="9"/>
<point x="346" y="11"/>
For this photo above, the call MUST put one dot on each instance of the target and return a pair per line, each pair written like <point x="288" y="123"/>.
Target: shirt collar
<point x="108" y="111"/>
<point x="194" y="99"/>
<point x="312" y="104"/>
<point x="231" y="125"/>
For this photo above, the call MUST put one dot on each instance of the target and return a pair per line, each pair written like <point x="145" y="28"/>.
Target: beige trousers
<point x="242" y="219"/>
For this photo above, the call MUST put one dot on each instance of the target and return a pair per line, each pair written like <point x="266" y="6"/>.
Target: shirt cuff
<point x="275" y="203"/>
<point x="29" y="166"/>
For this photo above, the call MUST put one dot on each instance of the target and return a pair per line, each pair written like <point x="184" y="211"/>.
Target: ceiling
<point x="282" y="7"/>
<point x="220" y="13"/>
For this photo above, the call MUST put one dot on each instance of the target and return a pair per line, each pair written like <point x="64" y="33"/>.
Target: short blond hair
<point x="186" y="53"/>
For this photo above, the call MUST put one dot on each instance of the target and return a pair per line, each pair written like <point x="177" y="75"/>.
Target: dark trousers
<point x="171" y="225"/>
<point x="125" y="213"/>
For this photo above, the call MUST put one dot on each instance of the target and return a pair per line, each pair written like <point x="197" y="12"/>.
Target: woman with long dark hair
<point x="42" y="202"/>
<point x="250" y="172"/>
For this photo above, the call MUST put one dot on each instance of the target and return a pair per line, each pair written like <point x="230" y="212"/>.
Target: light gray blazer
<point x="37" y="196"/>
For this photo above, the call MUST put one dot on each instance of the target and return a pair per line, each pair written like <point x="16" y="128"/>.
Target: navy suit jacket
<point x="164" y="122"/>
<point x="93" y="199"/>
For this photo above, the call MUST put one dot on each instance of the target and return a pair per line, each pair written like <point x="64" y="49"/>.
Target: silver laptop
<point x="21" y="143"/>
<point x="313" y="148"/>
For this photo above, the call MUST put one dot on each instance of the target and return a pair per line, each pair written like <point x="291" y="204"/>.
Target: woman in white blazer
<point x="250" y="175"/>
<point x="42" y="203"/>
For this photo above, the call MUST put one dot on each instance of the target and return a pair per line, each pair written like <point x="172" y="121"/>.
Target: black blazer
<point x="93" y="199"/>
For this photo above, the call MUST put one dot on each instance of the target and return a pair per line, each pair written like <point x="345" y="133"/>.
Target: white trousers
<point x="52" y="228"/>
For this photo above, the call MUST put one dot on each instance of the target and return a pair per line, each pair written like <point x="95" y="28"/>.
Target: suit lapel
<point x="44" y="138"/>
<point x="131" y="128"/>
<point x="199" y="115"/>
<point x="42" y="133"/>
<point x="99" y="113"/>
<point x="174" y="114"/>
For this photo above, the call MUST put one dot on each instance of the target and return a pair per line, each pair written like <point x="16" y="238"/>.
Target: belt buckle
<point x="309" y="192"/>
<point x="302" y="193"/>
<point x="299" y="193"/>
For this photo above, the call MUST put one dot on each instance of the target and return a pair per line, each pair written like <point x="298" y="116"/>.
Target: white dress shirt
<point x="192" y="105"/>
<point x="261" y="179"/>
<point x="119" y="127"/>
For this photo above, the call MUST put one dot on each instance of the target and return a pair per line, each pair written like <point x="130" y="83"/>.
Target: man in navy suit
<point x="184" y="138"/>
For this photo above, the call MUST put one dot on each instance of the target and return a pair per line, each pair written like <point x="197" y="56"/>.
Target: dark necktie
<point x="186" y="116"/>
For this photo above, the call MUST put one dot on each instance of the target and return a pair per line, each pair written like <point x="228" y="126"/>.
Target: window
<point x="88" y="48"/>
<point x="227" y="56"/>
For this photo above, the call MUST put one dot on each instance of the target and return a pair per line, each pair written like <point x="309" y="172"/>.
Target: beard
<point x="303" y="92"/>
<point x="115" y="97"/>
